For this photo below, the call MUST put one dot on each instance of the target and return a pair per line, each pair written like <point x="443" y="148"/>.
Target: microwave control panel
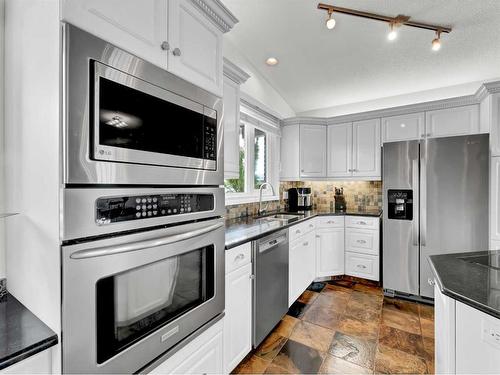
<point x="210" y="139"/>
<point x="118" y="209"/>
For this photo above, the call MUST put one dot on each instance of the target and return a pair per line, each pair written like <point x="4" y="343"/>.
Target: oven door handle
<point x="134" y="246"/>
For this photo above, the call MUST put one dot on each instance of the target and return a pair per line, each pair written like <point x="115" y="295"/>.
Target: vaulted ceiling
<point x="355" y="62"/>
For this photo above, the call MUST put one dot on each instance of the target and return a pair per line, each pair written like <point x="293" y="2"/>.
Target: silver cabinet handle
<point x="415" y="187"/>
<point x="305" y="243"/>
<point x="428" y="135"/>
<point x="239" y="257"/>
<point x="423" y="200"/>
<point x="362" y="222"/>
<point x="298" y="231"/>
<point x="330" y="222"/>
<point x="165" y="46"/>
<point x="311" y="225"/>
<point x="361" y="241"/>
<point x="431" y="282"/>
<point x="252" y="277"/>
<point x="134" y="246"/>
<point x="422" y="136"/>
<point x="361" y="266"/>
<point x="350" y="170"/>
<point x="176" y="52"/>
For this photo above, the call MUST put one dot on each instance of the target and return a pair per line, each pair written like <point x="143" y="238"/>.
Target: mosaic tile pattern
<point x="360" y="195"/>
<point x="314" y="337"/>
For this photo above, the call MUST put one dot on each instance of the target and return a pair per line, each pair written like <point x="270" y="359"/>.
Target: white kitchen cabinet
<point x="366" y="151"/>
<point x="137" y="28"/>
<point x="238" y="318"/>
<point x="362" y="265"/>
<point x="403" y="128"/>
<point x="289" y="151"/>
<point x="301" y="266"/>
<point x="495" y="199"/>
<point x="312" y="151"/>
<point x="203" y="355"/>
<point x="362" y="241"/>
<point x="173" y="34"/>
<point x="444" y="332"/>
<point x="40" y="363"/>
<point x="230" y="118"/>
<point x="477" y="341"/>
<point x="233" y="78"/>
<point x="329" y="252"/>
<point x="196" y="46"/>
<point x="490" y="115"/>
<point x="452" y="121"/>
<point x="340" y="150"/>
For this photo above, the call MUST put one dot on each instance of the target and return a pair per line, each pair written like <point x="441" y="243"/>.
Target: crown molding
<point x="234" y="72"/>
<point x="217" y="13"/>
<point x="476" y="98"/>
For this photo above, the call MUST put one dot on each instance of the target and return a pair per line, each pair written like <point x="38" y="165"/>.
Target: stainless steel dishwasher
<point x="270" y="289"/>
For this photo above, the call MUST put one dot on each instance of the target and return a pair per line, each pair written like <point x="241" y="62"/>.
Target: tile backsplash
<point x="361" y="195"/>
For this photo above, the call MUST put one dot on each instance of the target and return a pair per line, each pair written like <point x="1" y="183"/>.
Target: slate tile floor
<point x="347" y="327"/>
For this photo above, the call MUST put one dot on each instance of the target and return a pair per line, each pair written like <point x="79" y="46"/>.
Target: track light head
<point x="393" y="34"/>
<point x="436" y="42"/>
<point x="330" y="22"/>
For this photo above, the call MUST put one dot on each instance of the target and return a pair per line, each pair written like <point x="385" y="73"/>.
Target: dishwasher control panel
<point x="126" y="208"/>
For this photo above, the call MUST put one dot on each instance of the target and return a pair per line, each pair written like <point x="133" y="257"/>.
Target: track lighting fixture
<point x="436" y="42"/>
<point x="330" y="22"/>
<point x="393" y="34"/>
<point x="394" y="22"/>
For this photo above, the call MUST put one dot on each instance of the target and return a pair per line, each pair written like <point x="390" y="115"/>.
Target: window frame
<point x="251" y="195"/>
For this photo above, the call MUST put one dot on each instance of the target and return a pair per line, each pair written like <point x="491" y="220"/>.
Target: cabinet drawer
<point x="300" y="229"/>
<point x="330" y="222"/>
<point x="362" y="222"/>
<point x="238" y="257"/>
<point x="362" y="241"/>
<point x="362" y="265"/>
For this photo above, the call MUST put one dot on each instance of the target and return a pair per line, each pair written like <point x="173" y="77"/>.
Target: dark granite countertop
<point x="474" y="284"/>
<point x="241" y="230"/>
<point x="22" y="334"/>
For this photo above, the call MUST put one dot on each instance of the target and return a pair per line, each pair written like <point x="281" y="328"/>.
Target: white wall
<point x="257" y="87"/>
<point x="396" y="101"/>
<point x="2" y="152"/>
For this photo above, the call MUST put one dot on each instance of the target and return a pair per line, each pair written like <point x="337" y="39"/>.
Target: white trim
<point x="485" y="89"/>
<point x="217" y="13"/>
<point x="234" y="72"/>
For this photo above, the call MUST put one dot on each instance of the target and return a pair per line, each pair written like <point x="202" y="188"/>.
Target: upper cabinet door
<point x="195" y="46"/>
<point x="290" y="154"/>
<point x="312" y="151"/>
<point x="452" y="121"/>
<point x="231" y="120"/>
<point x="137" y="28"/>
<point x="366" y="153"/>
<point x="403" y="128"/>
<point x="340" y="150"/>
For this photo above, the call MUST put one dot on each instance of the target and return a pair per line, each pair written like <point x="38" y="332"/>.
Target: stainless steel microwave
<point x="129" y="122"/>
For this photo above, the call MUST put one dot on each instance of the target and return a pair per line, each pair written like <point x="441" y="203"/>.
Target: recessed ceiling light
<point x="272" y="61"/>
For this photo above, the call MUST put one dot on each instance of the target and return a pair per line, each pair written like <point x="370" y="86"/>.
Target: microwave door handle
<point x="134" y="246"/>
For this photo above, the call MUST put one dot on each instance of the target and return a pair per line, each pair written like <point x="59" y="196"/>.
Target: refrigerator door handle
<point x="423" y="202"/>
<point x="414" y="185"/>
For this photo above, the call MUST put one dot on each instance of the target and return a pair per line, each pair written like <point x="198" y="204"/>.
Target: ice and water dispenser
<point x="400" y="204"/>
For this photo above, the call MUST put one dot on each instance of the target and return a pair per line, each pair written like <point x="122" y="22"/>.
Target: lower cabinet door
<point x="329" y="252"/>
<point x="238" y="318"/>
<point x="362" y="265"/>
<point x="203" y="355"/>
<point x="301" y="266"/>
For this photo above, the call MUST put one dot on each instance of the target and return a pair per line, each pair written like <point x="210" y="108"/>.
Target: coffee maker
<point x="299" y="199"/>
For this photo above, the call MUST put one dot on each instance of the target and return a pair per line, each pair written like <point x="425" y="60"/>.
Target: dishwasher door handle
<point x="268" y="245"/>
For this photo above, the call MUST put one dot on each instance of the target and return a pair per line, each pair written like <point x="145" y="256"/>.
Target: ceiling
<point x="320" y="68"/>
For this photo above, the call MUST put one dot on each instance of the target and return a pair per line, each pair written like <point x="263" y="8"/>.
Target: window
<point x="237" y="185"/>
<point x="258" y="162"/>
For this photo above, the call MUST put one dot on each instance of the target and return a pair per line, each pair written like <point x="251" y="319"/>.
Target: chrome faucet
<point x="261" y="211"/>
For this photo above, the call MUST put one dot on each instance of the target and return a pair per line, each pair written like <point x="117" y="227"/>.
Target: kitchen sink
<point x="284" y="218"/>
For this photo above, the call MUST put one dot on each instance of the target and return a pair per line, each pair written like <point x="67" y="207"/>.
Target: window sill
<point x="232" y="199"/>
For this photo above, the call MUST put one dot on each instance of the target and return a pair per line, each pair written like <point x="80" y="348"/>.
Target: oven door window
<point x="140" y="122"/>
<point x="134" y="303"/>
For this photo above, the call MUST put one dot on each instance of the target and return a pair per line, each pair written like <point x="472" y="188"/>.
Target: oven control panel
<point x="117" y="209"/>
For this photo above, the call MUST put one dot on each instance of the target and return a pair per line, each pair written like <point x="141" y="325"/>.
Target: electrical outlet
<point x="491" y="333"/>
<point x="285" y="195"/>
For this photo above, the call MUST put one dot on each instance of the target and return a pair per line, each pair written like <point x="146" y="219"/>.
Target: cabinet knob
<point x="298" y="231"/>
<point x="165" y="46"/>
<point x="252" y="277"/>
<point x="239" y="257"/>
<point x="431" y="282"/>
<point x="422" y="136"/>
<point x="305" y="243"/>
<point x="176" y="52"/>
<point x="361" y="266"/>
<point x="311" y="225"/>
<point x="361" y="241"/>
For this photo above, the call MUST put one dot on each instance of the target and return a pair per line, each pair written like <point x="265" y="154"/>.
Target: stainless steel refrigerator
<point x="435" y="195"/>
